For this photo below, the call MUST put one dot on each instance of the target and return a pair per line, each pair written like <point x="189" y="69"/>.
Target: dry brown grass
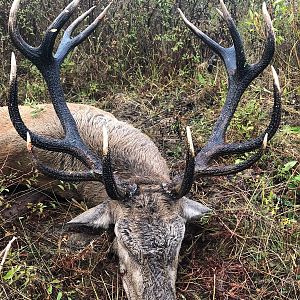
<point x="247" y="249"/>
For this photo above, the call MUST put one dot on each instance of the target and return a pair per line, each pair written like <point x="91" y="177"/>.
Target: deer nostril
<point x="122" y="270"/>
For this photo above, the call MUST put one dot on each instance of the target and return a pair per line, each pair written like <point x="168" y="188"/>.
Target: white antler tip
<point x="5" y="252"/>
<point x="267" y="16"/>
<point x="75" y="2"/>
<point x="276" y="79"/>
<point x="105" y="140"/>
<point x="12" y="20"/>
<point x="103" y="13"/>
<point x="108" y="6"/>
<point x="219" y="12"/>
<point x="15" y="6"/>
<point x="72" y="6"/>
<point x="29" y="144"/>
<point x="265" y="141"/>
<point x="181" y="13"/>
<point x="13" y="59"/>
<point x="190" y="140"/>
<point x="224" y="11"/>
<point x="13" y="67"/>
<point x="264" y="8"/>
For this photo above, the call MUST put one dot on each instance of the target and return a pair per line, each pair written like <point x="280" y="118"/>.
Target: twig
<point x="214" y="288"/>
<point x="5" y="252"/>
<point x="233" y="233"/>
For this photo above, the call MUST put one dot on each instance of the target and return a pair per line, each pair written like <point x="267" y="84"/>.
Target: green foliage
<point x="284" y="20"/>
<point x="37" y="208"/>
<point x="288" y="172"/>
<point x="291" y="129"/>
<point x="20" y="273"/>
<point x="36" y="109"/>
<point x="144" y="39"/>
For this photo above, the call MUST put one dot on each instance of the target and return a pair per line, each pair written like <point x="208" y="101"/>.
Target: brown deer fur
<point x="133" y="153"/>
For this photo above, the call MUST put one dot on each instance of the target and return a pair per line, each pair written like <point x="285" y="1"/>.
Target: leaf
<point x="59" y="296"/>
<point x="55" y="281"/>
<point x="288" y="166"/>
<point x="291" y="129"/>
<point x="10" y="274"/>
<point x="201" y="79"/>
<point x="295" y="129"/>
<point x="49" y="290"/>
<point x="296" y="178"/>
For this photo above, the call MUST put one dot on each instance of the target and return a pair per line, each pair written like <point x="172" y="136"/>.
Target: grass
<point x="247" y="249"/>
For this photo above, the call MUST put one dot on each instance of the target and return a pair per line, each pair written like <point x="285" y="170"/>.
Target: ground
<point x="248" y="248"/>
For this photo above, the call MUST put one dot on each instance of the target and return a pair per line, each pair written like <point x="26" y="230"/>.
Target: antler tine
<point x="188" y="178"/>
<point x="44" y="51"/>
<point x="235" y="148"/>
<point x="236" y="38"/>
<point x="15" y="116"/>
<point x="23" y="47"/>
<point x="206" y="39"/>
<point x="68" y="43"/>
<point x="232" y="169"/>
<point x="269" y="48"/>
<point x="53" y="30"/>
<point x="240" y="75"/>
<point x="75" y="147"/>
<point x="112" y="189"/>
<point x="90" y="175"/>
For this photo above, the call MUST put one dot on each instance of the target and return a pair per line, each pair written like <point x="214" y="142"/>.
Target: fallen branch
<point x="5" y="252"/>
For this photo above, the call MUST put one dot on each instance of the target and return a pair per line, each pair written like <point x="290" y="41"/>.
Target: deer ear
<point x="97" y="217"/>
<point x="192" y="210"/>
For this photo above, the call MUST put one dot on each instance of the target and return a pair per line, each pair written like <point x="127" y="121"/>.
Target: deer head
<point x="149" y="214"/>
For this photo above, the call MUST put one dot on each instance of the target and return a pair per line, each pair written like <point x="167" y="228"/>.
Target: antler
<point x="240" y="75"/>
<point x="49" y="65"/>
<point x="184" y="187"/>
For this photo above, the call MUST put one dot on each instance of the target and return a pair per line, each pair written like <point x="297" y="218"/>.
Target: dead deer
<point x="118" y="167"/>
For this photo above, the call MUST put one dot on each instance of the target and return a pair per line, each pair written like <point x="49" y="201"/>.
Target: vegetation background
<point x="146" y="67"/>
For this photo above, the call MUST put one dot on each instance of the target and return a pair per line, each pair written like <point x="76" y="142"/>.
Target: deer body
<point x="151" y="263"/>
<point x="118" y="168"/>
<point x="133" y="153"/>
